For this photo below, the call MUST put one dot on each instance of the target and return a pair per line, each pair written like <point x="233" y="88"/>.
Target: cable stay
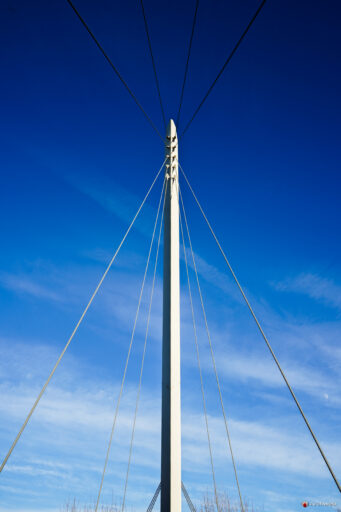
<point x="184" y="492"/>
<point x="199" y="368"/>
<point x="154" y="65"/>
<point x="212" y="352"/>
<point x="176" y="217"/>
<point x="224" y="67"/>
<point x="262" y="333"/>
<point x="144" y="351"/>
<point x="187" y="62"/>
<point x="154" y="498"/>
<point x="100" y="47"/>
<point x="187" y="498"/>
<point x="78" y="323"/>
<point x="127" y="361"/>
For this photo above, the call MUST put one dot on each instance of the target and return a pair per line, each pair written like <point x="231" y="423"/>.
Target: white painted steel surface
<point x="171" y="396"/>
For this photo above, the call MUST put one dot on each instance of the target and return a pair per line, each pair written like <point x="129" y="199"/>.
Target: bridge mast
<point x="171" y="400"/>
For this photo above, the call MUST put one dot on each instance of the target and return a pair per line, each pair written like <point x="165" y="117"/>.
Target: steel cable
<point x="187" y="498"/>
<point x="187" y="62"/>
<point x="263" y="335"/>
<point x="199" y="367"/>
<point x="128" y="355"/>
<point x="99" y="46"/>
<point x="143" y="353"/>
<point x="212" y="356"/>
<point x="153" y="64"/>
<point x="224" y="66"/>
<point x="154" y="498"/>
<point x="78" y="324"/>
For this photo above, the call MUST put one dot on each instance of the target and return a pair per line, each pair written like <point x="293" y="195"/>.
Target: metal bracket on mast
<point x="187" y="498"/>
<point x="154" y="498"/>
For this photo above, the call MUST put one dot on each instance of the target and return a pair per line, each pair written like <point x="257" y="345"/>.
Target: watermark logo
<point x="306" y="504"/>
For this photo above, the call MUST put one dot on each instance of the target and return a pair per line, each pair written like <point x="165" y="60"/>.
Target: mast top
<point x="171" y="130"/>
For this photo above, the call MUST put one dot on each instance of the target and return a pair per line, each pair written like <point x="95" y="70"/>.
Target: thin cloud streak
<point x="117" y="200"/>
<point x="314" y="286"/>
<point x="87" y="408"/>
<point x="23" y="284"/>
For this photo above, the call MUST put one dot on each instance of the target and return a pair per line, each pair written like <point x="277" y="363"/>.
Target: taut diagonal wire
<point x="100" y="47"/>
<point x="187" y="498"/>
<point x="78" y="324"/>
<point x="153" y="63"/>
<point x="154" y="498"/>
<point x="199" y="367"/>
<point x="143" y="354"/>
<point x="187" y="62"/>
<point x="224" y="66"/>
<point x="212" y="355"/>
<point x="128" y="355"/>
<point x="263" y="335"/>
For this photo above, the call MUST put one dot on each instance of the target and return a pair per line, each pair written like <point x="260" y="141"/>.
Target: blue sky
<point x="77" y="158"/>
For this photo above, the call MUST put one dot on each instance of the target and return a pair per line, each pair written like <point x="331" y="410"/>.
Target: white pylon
<point x="171" y="396"/>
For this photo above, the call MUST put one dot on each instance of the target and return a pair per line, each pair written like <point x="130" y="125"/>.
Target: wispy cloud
<point x="23" y="284"/>
<point x="122" y="203"/>
<point x="117" y="200"/>
<point x="213" y="275"/>
<point x="258" y="444"/>
<point x="83" y="407"/>
<point x="80" y="413"/>
<point x="78" y="408"/>
<point x="314" y="286"/>
<point x="254" y="367"/>
<point x="77" y="413"/>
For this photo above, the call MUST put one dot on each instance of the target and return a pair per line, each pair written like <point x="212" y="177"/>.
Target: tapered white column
<point x="171" y="400"/>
